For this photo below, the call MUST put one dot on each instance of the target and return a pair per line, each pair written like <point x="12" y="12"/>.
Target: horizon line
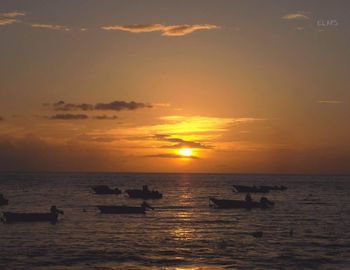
<point x="216" y="173"/>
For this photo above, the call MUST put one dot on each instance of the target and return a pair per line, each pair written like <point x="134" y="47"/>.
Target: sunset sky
<point x="175" y="86"/>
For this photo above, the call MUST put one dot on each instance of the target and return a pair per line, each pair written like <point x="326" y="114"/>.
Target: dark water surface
<point x="183" y="232"/>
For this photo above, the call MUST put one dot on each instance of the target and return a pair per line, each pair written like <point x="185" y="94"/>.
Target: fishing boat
<point x="240" y="204"/>
<point x="52" y="216"/>
<point x="105" y="190"/>
<point x="123" y="209"/>
<point x="144" y="193"/>
<point x="257" y="189"/>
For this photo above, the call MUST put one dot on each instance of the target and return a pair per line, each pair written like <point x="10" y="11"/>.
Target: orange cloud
<point x="6" y="21"/>
<point x="51" y="26"/>
<point x="296" y="16"/>
<point x="12" y="14"/>
<point x="166" y="30"/>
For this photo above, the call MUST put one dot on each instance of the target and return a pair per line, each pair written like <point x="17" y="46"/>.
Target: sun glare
<point x="186" y="152"/>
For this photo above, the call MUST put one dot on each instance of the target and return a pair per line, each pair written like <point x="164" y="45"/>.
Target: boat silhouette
<point x="144" y="193"/>
<point x="105" y="190"/>
<point x="240" y="204"/>
<point x="256" y="189"/>
<point x="123" y="209"/>
<point x="52" y="216"/>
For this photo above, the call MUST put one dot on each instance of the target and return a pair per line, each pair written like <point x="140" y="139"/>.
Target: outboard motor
<point x="146" y="205"/>
<point x="266" y="202"/>
<point x="54" y="210"/>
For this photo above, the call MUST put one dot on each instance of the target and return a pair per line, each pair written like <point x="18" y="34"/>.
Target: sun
<point x="186" y="152"/>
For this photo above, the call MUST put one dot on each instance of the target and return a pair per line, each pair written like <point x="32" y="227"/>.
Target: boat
<point x="250" y="189"/>
<point x="52" y="216"/>
<point x="105" y="190"/>
<point x="144" y="193"/>
<point x="240" y="204"/>
<point x="3" y="201"/>
<point x="257" y="189"/>
<point x="123" y="209"/>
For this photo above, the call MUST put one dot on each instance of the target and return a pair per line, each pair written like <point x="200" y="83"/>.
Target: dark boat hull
<point x="4" y="202"/>
<point x="105" y="190"/>
<point x="145" y="195"/>
<point x="257" y="189"/>
<point x="237" y="204"/>
<point x="121" y="209"/>
<point x="10" y="217"/>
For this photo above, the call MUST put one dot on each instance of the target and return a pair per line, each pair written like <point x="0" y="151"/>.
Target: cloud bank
<point x="105" y="117"/>
<point x="111" y="106"/>
<point x="32" y="153"/>
<point x="180" y="143"/>
<point x="68" y="116"/>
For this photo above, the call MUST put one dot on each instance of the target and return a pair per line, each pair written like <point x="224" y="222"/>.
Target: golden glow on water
<point x="195" y="268"/>
<point x="183" y="234"/>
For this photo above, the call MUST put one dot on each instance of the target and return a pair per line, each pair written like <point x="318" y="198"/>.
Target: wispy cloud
<point x="12" y="14"/>
<point x="6" y="21"/>
<point x="109" y="106"/>
<point x="248" y="119"/>
<point x="178" y="124"/>
<point x="329" y="102"/>
<point x="51" y="26"/>
<point x="166" y="30"/>
<point x="99" y="139"/>
<point x="10" y="17"/>
<point x="300" y="15"/>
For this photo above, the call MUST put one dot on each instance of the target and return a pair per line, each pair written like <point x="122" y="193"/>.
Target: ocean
<point x="183" y="232"/>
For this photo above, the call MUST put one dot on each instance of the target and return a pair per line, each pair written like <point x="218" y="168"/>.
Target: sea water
<point x="308" y="228"/>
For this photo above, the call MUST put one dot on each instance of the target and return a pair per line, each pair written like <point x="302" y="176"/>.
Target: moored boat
<point x="144" y="193"/>
<point x="240" y="204"/>
<point x="123" y="209"/>
<point x="257" y="189"/>
<point x="52" y="216"/>
<point x="105" y="190"/>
